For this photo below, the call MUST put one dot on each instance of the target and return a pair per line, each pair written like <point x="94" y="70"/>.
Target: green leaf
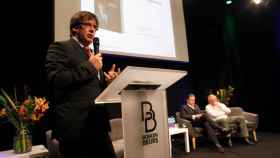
<point x="8" y="99"/>
<point x="2" y="101"/>
<point x="11" y="113"/>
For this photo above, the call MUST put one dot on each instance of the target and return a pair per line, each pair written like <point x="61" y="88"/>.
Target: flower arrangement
<point x="21" y="115"/>
<point x="225" y="95"/>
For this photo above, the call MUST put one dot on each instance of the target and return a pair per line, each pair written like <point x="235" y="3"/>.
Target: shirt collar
<point x="193" y="107"/>
<point x="76" y="39"/>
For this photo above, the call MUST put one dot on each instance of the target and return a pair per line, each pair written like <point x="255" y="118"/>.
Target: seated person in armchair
<point x="192" y="112"/>
<point x="218" y="112"/>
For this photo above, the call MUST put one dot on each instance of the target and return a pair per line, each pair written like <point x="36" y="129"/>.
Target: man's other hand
<point x="112" y="73"/>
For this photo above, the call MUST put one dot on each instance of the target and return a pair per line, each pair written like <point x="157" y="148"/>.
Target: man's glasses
<point x="90" y="25"/>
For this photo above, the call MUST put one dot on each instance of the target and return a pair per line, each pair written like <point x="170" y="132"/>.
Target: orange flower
<point x="3" y="113"/>
<point x="41" y="105"/>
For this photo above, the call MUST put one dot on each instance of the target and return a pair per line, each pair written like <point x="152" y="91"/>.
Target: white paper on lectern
<point x="164" y="77"/>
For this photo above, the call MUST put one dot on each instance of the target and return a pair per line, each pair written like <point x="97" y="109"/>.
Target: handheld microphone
<point x="96" y="45"/>
<point x="96" y="50"/>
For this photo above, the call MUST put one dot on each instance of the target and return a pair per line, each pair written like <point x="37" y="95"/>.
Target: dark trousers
<point x="206" y="123"/>
<point x="92" y="141"/>
<point x="94" y="147"/>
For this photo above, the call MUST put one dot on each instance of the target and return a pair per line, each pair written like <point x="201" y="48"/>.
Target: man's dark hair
<point x="190" y="95"/>
<point x="79" y="18"/>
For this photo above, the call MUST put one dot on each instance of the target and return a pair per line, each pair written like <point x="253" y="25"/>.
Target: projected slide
<point x="109" y="14"/>
<point x="141" y="27"/>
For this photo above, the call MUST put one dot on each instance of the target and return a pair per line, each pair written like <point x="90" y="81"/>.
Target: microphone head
<point x="95" y="41"/>
<point x="96" y="45"/>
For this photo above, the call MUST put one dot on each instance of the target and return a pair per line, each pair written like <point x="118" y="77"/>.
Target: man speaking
<point x="76" y="79"/>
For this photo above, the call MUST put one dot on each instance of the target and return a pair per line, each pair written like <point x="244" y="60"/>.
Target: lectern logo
<point x="148" y="116"/>
<point x="150" y="123"/>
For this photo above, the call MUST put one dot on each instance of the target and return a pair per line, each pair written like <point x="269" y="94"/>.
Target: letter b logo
<point x="148" y="116"/>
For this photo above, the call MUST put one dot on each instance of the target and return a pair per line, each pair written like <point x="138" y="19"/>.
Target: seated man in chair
<point x="219" y="113"/>
<point x="192" y="112"/>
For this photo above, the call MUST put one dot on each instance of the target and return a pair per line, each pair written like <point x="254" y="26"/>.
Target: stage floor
<point x="267" y="147"/>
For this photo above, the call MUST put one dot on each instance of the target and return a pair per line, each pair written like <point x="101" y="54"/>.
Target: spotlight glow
<point x="228" y="2"/>
<point x="257" y="1"/>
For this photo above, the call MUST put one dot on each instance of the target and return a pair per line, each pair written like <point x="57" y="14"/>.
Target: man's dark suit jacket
<point x="74" y="85"/>
<point x="187" y="112"/>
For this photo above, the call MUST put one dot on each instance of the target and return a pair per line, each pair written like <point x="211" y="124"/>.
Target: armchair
<point x="196" y="132"/>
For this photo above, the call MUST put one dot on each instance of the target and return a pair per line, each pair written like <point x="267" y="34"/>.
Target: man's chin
<point x="89" y="41"/>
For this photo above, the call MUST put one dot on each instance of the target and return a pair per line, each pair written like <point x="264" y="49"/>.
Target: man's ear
<point x="75" y="29"/>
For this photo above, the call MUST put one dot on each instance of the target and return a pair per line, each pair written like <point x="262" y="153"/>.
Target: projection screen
<point x="139" y="28"/>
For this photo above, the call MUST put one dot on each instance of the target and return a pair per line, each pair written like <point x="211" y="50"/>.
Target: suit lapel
<point x="191" y="110"/>
<point x="78" y="49"/>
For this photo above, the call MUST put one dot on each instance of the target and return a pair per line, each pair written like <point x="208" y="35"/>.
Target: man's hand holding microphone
<point x="96" y="60"/>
